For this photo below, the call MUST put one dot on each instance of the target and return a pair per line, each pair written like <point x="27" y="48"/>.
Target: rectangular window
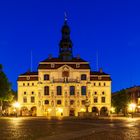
<point x="46" y="90"/>
<point x="83" y="90"/>
<point x="59" y="102"/>
<point x="32" y="99"/>
<point x="95" y="100"/>
<point x="46" y="102"/>
<point x="72" y="90"/>
<point x="24" y="99"/>
<point x="103" y="99"/>
<point x="46" y="77"/>
<point x="59" y="90"/>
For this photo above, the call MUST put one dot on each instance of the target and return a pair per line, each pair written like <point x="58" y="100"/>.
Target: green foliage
<point x="5" y="86"/>
<point x="120" y="101"/>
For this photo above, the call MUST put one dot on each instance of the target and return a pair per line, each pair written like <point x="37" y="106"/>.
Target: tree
<point x="120" y="101"/>
<point x="5" y="89"/>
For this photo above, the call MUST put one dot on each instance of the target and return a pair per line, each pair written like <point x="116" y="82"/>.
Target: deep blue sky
<point x="110" y="26"/>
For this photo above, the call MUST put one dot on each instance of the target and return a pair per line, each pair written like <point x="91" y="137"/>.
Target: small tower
<point x="65" y="45"/>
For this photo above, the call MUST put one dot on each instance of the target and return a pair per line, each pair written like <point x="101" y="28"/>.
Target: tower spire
<point x="65" y="45"/>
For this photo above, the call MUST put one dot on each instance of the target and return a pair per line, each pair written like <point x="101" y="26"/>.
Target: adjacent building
<point x="62" y="84"/>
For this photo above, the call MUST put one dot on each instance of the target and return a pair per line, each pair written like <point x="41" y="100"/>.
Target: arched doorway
<point x="95" y="109"/>
<point x="72" y="112"/>
<point x="104" y="111"/>
<point x="24" y="111"/>
<point x="33" y="111"/>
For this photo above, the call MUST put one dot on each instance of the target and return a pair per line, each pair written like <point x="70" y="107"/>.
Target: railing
<point x="65" y="81"/>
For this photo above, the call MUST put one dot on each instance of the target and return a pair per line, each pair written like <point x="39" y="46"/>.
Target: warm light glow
<point x="60" y="110"/>
<point x="131" y="107"/>
<point x="16" y="105"/>
<point x="49" y="110"/>
<point x="112" y="110"/>
<point x="83" y="110"/>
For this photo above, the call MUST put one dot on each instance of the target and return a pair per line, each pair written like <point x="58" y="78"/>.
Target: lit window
<point x="72" y="90"/>
<point x="77" y="65"/>
<point x="83" y="77"/>
<point x="59" y="102"/>
<point x="52" y="65"/>
<point x="46" y="90"/>
<point x="83" y="90"/>
<point x="32" y="99"/>
<point x="103" y="99"/>
<point x="46" y="77"/>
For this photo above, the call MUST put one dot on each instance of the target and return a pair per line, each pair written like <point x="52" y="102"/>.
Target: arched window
<point x="83" y="77"/>
<point x="46" y="102"/>
<point x="72" y="90"/>
<point x="59" y="90"/>
<point x="46" y="90"/>
<point x="83" y="90"/>
<point x="46" y="77"/>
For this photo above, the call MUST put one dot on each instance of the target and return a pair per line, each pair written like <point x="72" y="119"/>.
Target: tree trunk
<point x="1" y="103"/>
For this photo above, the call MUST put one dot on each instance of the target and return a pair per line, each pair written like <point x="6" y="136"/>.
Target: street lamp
<point x="16" y="106"/>
<point x="132" y="107"/>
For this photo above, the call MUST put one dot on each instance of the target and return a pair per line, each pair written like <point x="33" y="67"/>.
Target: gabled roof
<point x="98" y="73"/>
<point x="55" y="59"/>
<point x="29" y="73"/>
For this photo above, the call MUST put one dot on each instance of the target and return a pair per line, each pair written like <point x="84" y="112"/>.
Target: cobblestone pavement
<point x="69" y="129"/>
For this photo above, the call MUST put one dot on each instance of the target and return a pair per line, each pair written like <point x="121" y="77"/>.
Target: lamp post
<point x="132" y="107"/>
<point x="16" y="106"/>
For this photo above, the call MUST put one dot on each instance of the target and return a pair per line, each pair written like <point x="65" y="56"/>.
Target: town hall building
<point x="62" y="85"/>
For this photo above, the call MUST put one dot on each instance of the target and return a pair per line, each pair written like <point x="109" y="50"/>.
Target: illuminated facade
<point x="62" y="84"/>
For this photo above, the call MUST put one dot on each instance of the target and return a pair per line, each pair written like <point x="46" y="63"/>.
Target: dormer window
<point x="77" y="65"/>
<point x="83" y="77"/>
<point x="52" y="65"/>
<point x="46" y="77"/>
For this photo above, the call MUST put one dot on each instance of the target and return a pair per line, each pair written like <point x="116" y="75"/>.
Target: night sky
<point x="109" y="27"/>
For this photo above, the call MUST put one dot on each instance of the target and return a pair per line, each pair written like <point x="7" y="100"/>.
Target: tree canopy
<point x="120" y="101"/>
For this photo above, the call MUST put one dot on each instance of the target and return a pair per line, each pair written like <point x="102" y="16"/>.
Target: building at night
<point x="62" y="84"/>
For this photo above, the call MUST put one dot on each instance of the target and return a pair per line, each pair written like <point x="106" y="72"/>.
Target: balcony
<point x="65" y="80"/>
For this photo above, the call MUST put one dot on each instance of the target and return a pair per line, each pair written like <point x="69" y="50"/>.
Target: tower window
<point x="46" y="77"/>
<point x="83" y="77"/>
<point x="59" y="90"/>
<point x="83" y="90"/>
